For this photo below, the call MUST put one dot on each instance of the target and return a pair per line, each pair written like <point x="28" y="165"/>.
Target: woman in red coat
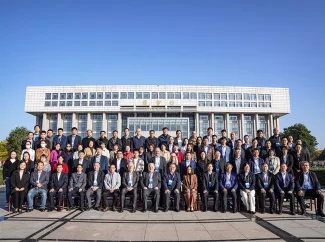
<point x="64" y="165"/>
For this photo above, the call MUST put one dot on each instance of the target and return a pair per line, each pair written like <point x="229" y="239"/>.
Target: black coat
<point x="77" y="141"/>
<point x="57" y="184"/>
<point x="100" y="179"/>
<point x="156" y="180"/>
<point x="250" y="179"/>
<point x="214" y="181"/>
<point x="260" y="181"/>
<point x="16" y="182"/>
<point x="289" y="163"/>
<point x="123" y="166"/>
<point x="101" y="140"/>
<point x="9" y="168"/>
<point x="126" y="141"/>
<point x="112" y="142"/>
<point x="85" y="142"/>
<point x="299" y="182"/>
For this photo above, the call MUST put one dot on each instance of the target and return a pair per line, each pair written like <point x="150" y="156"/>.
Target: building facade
<point x="243" y="110"/>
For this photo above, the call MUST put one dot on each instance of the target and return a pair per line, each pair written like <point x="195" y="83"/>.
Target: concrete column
<point x="104" y="126"/>
<point x="227" y="124"/>
<point x="197" y="123"/>
<point x="212" y="122"/>
<point x="119" y="124"/>
<point x="257" y="126"/>
<point x="269" y="131"/>
<point x="242" y="120"/>
<point x="60" y="120"/>
<point x="277" y="120"/>
<point x="45" y="122"/>
<point x="89" y="122"/>
<point x="271" y="124"/>
<point x="74" y="120"/>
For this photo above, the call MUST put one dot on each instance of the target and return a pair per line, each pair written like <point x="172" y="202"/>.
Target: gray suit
<point x="150" y="188"/>
<point x="75" y="184"/>
<point x="34" y="180"/>
<point x="111" y="181"/>
<point x="125" y="185"/>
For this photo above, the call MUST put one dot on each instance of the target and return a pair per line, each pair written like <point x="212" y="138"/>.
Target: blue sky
<point x="249" y="43"/>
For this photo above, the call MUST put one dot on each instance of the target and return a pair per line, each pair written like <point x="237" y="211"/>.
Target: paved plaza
<point x="171" y="226"/>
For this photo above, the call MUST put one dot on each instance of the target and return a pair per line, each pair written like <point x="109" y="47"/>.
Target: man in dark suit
<point x="238" y="161"/>
<point x="188" y="162"/>
<point x="239" y="144"/>
<point x="85" y="141"/>
<point x="130" y="185"/>
<point x="58" y="187"/>
<point x="307" y="185"/>
<point x="159" y="161"/>
<point x="151" y="185"/>
<point x="225" y="150"/>
<point x="103" y="161"/>
<point x="81" y="161"/>
<point x="172" y="186"/>
<point x="260" y="139"/>
<point x="250" y="150"/>
<point x="210" y="186"/>
<point x="284" y="185"/>
<point x="137" y="141"/>
<point x="38" y="181"/>
<point x="275" y="138"/>
<point x="114" y="140"/>
<point x="256" y="162"/>
<point x="151" y="140"/>
<point x="41" y="138"/>
<point x="77" y="186"/>
<point x="120" y="163"/>
<point x="126" y="139"/>
<point x="287" y="158"/>
<point x="102" y="139"/>
<point x="209" y="150"/>
<point x="74" y="139"/>
<point x="265" y="187"/>
<point x="232" y="142"/>
<point x="60" y="139"/>
<point x="298" y="156"/>
<point x="228" y="185"/>
<point x="95" y="185"/>
<point x="30" y="139"/>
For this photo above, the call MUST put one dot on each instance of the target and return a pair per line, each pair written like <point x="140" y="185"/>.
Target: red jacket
<point x="65" y="168"/>
<point x="180" y="156"/>
<point x="127" y="156"/>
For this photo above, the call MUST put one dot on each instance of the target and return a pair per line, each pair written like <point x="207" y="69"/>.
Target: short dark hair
<point x="112" y="165"/>
<point x="119" y="151"/>
<point x="246" y="135"/>
<point x="115" y="131"/>
<point x="30" y="133"/>
<point x="103" y="131"/>
<point x="43" y="155"/>
<point x="36" y="126"/>
<point x="178" y="131"/>
<point x="60" y="156"/>
<point x="126" y="129"/>
<point x="214" y="136"/>
<point x="80" y="165"/>
<point x="223" y="130"/>
<point x="239" y="140"/>
<point x="58" y="164"/>
<point x="256" y="149"/>
<point x="165" y="128"/>
<point x="74" y="128"/>
<point x="99" y="147"/>
<point x="81" y="151"/>
<point x="259" y="131"/>
<point x="152" y="131"/>
<point x="254" y="140"/>
<point x="136" y="150"/>
<point x="43" y="132"/>
<point x="50" y="130"/>
<point x="210" y="129"/>
<point x="60" y="129"/>
<point x="40" y="162"/>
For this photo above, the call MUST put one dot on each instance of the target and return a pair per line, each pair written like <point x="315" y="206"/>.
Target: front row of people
<point x="151" y="185"/>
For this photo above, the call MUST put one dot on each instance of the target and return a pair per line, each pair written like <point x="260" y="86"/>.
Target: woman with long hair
<point x="165" y="153"/>
<point x="183" y="148"/>
<point x="191" y="150"/>
<point x="76" y="153"/>
<point x="54" y="154"/>
<point x="68" y="156"/>
<point x="273" y="162"/>
<point x="29" y="163"/>
<point x="190" y="188"/>
<point x="9" y="166"/>
<point x="90" y="151"/>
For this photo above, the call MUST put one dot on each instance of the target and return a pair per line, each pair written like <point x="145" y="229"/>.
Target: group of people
<point x="160" y="168"/>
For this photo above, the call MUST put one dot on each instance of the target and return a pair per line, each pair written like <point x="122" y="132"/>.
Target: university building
<point x="243" y="110"/>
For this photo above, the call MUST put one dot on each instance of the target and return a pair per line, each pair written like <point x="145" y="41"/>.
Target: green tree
<point x="3" y="150"/>
<point x="16" y="136"/>
<point x="321" y="155"/>
<point x="300" y="131"/>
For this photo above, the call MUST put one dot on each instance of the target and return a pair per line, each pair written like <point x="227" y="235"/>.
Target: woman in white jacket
<point x="273" y="162"/>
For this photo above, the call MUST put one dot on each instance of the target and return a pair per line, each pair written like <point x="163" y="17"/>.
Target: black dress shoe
<point x="234" y="211"/>
<point x="28" y="210"/>
<point x="113" y="209"/>
<point x="50" y="209"/>
<point x="165" y="210"/>
<point x="303" y="212"/>
<point x="42" y="209"/>
<point x="82" y="209"/>
<point x="97" y="208"/>
<point x="177" y="210"/>
<point x="272" y="212"/>
<point x="279" y="212"/>
<point x="253" y="212"/>
<point x="58" y="209"/>
<point x="156" y="210"/>
<point x="121" y="210"/>
<point x="223" y="211"/>
<point x="133" y="211"/>
<point x="292" y="213"/>
<point x="88" y="209"/>
<point x="321" y="214"/>
<point x="144" y="210"/>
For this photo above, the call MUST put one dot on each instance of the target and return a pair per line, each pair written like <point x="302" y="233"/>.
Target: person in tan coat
<point x="190" y="188"/>
<point x="43" y="151"/>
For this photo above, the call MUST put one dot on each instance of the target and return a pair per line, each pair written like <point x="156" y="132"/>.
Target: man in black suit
<point x="238" y="161"/>
<point x="151" y="184"/>
<point x="287" y="158"/>
<point x="120" y="163"/>
<point x="159" y="162"/>
<point x="307" y="185"/>
<point x="265" y="187"/>
<point x="95" y="184"/>
<point x="74" y="139"/>
<point x="82" y="161"/>
<point x="114" y="140"/>
<point x="130" y="185"/>
<point x="126" y="139"/>
<point x="172" y="185"/>
<point x="58" y="187"/>
<point x="210" y="186"/>
<point x="102" y="139"/>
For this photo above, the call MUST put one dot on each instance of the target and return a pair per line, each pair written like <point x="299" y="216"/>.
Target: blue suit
<point x="233" y="181"/>
<point x="183" y="167"/>
<point x="233" y="194"/>
<point x="62" y="141"/>
<point x="252" y="166"/>
<point x="103" y="163"/>
<point x="283" y="187"/>
<point x="227" y="155"/>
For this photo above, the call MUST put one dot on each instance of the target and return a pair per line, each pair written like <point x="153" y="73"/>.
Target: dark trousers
<point x="58" y="195"/>
<point x="75" y="192"/>
<point x="313" y="194"/>
<point x="150" y="192"/>
<point x="176" y="199"/>
<point x="107" y="193"/>
<point x="234" y="199"/>
<point x="134" y="191"/>
<point x="19" y="199"/>
<point x="98" y="194"/>
<point x="263" y="198"/>
<point x="205" y="196"/>
<point x="290" y="196"/>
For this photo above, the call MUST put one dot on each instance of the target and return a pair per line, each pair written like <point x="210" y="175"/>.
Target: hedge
<point x="320" y="172"/>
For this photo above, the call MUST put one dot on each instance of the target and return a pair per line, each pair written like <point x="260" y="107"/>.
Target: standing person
<point x="68" y="157"/>
<point x="173" y="160"/>
<point x="287" y="159"/>
<point x="178" y="153"/>
<point x="190" y="185"/>
<point x="171" y="186"/>
<point x="228" y="185"/>
<point x="246" y="183"/>
<point x="215" y="143"/>
<point x="232" y="142"/>
<point x="95" y="184"/>
<point x="111" y="188"/>
<point x="9" y="166"/>
<point x="85" y="141"/>
<point x="164" y="137"/>
<point x="77" y="186"/>
<point x="159" y="161"/>
<point x="90" y="151"/>
<point x="246" y="143"/>
<point x="170" y="144"/>
<point x="30" y="139"/>
<point x="126" y="139"/>
<point x="114" y="140"/>
<point x="113" y="153"/>
<point x="151" y="140"/>
<point x="120" y="163"/>
<point x="76" y="153"/>
<point x="197" y="147"/>
<point x="29" y="163"/>
<point x="46" y="164"/>
<point x="151" y="185"/>
<point x="127" y="155"/>
<point x="238" y="161"/>
<point x="219" y="164"/>
<point x="36" y="132"/>
<point x="60" y="138"/>
<point x="20" y="183"/>
<point x="187" y="162"/>
<point x="81" y="161"/>
<point x="102" y="139"/>
<point x="264" y="152"/>
<point x="275" y="138"/>
<point x="49" y="137"/>
<point x="138" y="162"/>
<point x="209" y="135"/>
<point x="250" y="150"/>
<point x="102" y="160"/>
<point x="138" y="140"/>
<point x="150" y="153"/>
<point x="178" y="140"/>
<point x="105" y="151"/>
<point x="74" y="139"/>
<point x="210" y="186"/>
<point x="165" y="153"/>
<point x="225" y="150"/>
<point x="28" y="149"/>
<point x="201" y="167"/>
<point x="65" y="168"/>
<point x="43" y="151"/>
<point x="184" y="146"/>
<point x="298" y="157"/>
<point x="265" y="187"/>
<point x="54" y="154"/>
<point x="191" y="150"/>
<point x="260" y="139"/>
<point x="223" y="135"/>
<point x="273" y="162"/>
<point x="256" y="162"/>
<point x="58" y="187"/>
<point x="209" y="150"/>
<point x="192" y="139"/>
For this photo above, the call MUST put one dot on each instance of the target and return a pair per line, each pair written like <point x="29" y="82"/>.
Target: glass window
<point x="219" y="124"/>
<point x="115" y="103"/>
<point x="201" y="103"/>
<point x="70" y="96"/>
<point x="203" y="124"/>
<point x="84" y="95"/>
<point x="261" y="105"/>
<point x="231" y="96"/>
<point x="247" y="96"/>
<point x="97" y="124"/>
<point x="130" y="95"/>
<point x="69" y="103"/>
<point x="248" y="126"/>
<point x="216" y="96"/>
<point x="177" y="95"/>
<point x="268" y="105"/>
<point x="93" y="95"/>
<point x="262" y="124"/>
<point x="139" y="95"/>
<point x="108" y="95"/>
<point x="47" y="96"/>
<point x="239" y="104"/>
<point x="111" y="124"/>
<point x="233" y="124"/>
<point x="267" y="97"/>
<point x="115" y="95"/>
<point x="239" y="96"/>
<point x="170" y="95"/>
<point x="217" y="103"/>
<point x="54" y="103"/>
<point x="123" y="95"/>
<point x="260" y="97"/>
<point x="224" y="104"/>
<point x="53" y="122"/>
<point x="47" y="103"/>
<point x="253" y="97"/>
<point x="208" y="96"/>
<point x="92" y="103"/>
<point x="154" y="95"/>
<point x="201" y="95"/>
<point x="62" y="103"/>
<point x="247" y="104"/>
<point x="99" y="95"/>
<point x="82" y="124"/>
<point x="193" y="95"/>
<point x="77" y="103"/>
<point x="99" y="103"/>
<point x="67" y="123"/>
<point x="108" y="103"/>
<point x="224" y="96"/>
<point x="84" y="103"/>
<point x="186" y="95"/>
<point x="77" y="95"/>
<point x="146" y="95"/>
<point x="162" y="95"/>
<point x="63" y="96"/>
<point x="208" y="103"/>
<point x="253" y="104"/>
<point x="231" y="104"/>
<point x="55" y="96"/>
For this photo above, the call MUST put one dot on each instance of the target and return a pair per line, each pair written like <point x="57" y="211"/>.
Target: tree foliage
<point x="16" y="136"/>
<point x="321" y="156"/>
<point x="3" y="150"/>
<point x="300" y="131"/>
